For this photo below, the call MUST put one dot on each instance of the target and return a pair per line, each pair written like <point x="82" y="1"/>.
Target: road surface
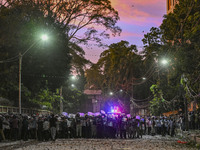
<point x="146" y="143"/>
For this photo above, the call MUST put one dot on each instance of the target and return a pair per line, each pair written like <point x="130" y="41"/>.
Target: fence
<point x="15" y="110"/>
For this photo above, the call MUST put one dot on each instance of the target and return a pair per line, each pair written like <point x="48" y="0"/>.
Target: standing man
<point x="163" y="129"/>
<point x="53" y="127"/>
<point x="40" y="128"/>
<point x="1" y="128"/>
<point x="78" y="126"/>
<point x="25" y="128"/>
<point x="15" y="127"/>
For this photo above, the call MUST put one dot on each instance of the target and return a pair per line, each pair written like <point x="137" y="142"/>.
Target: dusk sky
<point x="136" y="19"/>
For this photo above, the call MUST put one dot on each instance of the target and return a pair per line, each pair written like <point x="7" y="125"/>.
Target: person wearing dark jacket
<point x="25" y="128"/>
<point x="52" y="122"/>
<point x="1" y="128"/>
<point x="40" y="129"/>
<point x="15" y="127"/>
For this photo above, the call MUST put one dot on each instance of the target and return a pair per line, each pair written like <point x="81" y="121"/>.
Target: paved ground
<point x="146" y="143"/>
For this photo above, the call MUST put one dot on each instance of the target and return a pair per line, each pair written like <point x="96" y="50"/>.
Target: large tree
<point x="177" y="39"/>
<point x="119" y="70"/>
<point x="80" y="18"/>
<point x="43" y="64"/>
<point x="67" y="23"/>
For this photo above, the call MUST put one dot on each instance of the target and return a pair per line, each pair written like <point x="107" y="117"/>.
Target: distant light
<point x="44" y="37"/>
<point x="121" y="90"/>
<point x="73" y="77"/>
<point x="143" y="78"/>
<point x="73" y="85"/>
<point x="164" y="62"/>
<point x="115" y="110"/>
<point x="111" y="93"/>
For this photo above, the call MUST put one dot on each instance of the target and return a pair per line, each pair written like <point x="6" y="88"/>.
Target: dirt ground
<point x="145" y="143"/>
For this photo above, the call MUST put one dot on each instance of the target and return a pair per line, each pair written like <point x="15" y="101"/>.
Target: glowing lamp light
<point x="44" y="37"/>
<point x="73" y="77"/>
<point x="115" y="110"/>
<point x="164" y="62"/>
<point x="111" y="93"/>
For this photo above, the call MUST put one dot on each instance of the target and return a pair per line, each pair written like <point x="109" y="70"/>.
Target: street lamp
<point x="111" y="93"/>
<point x="43" y="38"/>
<point x="73" y="77"/>
<point x="143" y="78"/>
<point x="164" y="61"/>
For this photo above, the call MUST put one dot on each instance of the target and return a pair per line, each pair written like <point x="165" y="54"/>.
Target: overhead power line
<point x="12" y="59"/>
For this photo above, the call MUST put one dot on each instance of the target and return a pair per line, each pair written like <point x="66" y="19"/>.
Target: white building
<point x="95" y="100"/>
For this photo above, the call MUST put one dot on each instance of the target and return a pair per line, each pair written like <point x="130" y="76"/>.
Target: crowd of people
<point x="50" y="127"/>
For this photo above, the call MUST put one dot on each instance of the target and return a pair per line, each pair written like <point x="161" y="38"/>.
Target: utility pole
<point x="132" y="107"/>
<point x="61" y="102"/>
<point x="20" y="78"/>
<point x="186" y="114"/>
<point x="184" y="82"/>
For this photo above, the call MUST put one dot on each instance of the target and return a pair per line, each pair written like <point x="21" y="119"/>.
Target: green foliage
<point x="119" y="67"/>
<point x="22" y="25"/>
<point x="158" y="102"/>
<point x="74" y="100"/>
<point x="177" y="39"/>
<point x="45" y="98"/>
<point x="47" y="65"/>
<point x="120" y="64"/>
<point x="78" y="60"/>
<point x="79" y="15"/>
<point x="94" y="78"/>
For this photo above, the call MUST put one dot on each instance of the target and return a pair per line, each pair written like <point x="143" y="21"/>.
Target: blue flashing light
<point x="115" y="110"/>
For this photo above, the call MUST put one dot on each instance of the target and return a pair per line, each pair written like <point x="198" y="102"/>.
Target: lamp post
<point x="184" y="82"/>
<point x="44" y="38"/>
<point x="61" y="101"/>
<point x="20" y="78"/>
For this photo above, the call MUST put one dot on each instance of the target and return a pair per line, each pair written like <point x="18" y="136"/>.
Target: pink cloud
<point x="139" y="10"/>
<point x="136" y="19"/>
<point x="130" y="34"/>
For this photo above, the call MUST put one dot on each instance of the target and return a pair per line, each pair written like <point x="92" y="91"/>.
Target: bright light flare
<point x="164" y="62"/>
<point x="115" y="110"/>
<point x="44" y="37"/>
<point x="73" y="77"/>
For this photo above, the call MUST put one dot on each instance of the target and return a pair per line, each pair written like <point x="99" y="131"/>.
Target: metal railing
<point x="15" y="110"/>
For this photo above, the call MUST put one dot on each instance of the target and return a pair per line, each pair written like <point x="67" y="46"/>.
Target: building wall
<point x="95" y="100"/>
